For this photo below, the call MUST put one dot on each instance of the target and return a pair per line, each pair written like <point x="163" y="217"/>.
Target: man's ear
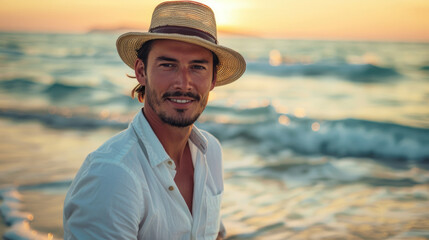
<point x="213" y="84"/>
<point x="139" y="70"/>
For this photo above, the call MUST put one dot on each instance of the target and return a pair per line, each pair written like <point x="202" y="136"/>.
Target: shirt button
<point x="171" y="188"/>
<point x="170" y="163"/>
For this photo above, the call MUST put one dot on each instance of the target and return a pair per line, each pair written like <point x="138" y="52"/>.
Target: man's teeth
<point x="180" y="100"/>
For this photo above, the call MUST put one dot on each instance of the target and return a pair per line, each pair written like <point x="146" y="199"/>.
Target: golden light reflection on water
<point x="284" y="120"/>
<point x="222" y="119"/>
<point x="281" y="109"/>
<point x="258" y="208"/>
<point x="230" y="102"/>
<point x="257" y="104"/>
<point x="275" y="57"/>
<point x="299" y="112"/>
<point x="105" y="113"/>
<point x="367" y="58"/>
<point x="315" y="126"/>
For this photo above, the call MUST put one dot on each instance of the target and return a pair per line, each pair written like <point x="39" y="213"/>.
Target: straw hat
<point x="189" y="22"/>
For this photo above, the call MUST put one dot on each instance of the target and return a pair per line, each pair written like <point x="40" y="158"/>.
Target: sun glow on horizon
<point x="310" y="19"/>
<point x="226" y="12"/>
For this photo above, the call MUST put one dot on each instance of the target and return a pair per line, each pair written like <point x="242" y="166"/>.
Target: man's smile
<point x="180" y="100"/>
<point x="181" y="97"/>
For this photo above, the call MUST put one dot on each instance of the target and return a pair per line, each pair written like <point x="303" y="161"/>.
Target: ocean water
<point x="322" y="139"/>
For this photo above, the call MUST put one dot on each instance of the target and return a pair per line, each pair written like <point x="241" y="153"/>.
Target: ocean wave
<point x="56" y="46"/>
<point x="424" y="68"/>
<point x="19" y="220"/>
<point x="14" y="217"/>
<point x="66" y="94"/>
<point x="341" y="138"/>
<point x="26" y="84"/>
<point x="272" y="132"/>
<point x="58" y="91"/>
<point x="62" y="119"/>
<point x="334" y="173"/>
<point x="11" y="50"/>
<point x="21" y="84"/>
<point x="353" y="72"/>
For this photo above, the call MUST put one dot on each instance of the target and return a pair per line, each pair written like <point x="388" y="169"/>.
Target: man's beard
<point x="178" y="120"/>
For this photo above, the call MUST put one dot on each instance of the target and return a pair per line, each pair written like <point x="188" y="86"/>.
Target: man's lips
<point x="183" y="101"/>
<point x="180" y="97"/>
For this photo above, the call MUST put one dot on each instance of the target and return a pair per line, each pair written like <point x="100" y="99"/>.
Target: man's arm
<point x="102" y="204"/>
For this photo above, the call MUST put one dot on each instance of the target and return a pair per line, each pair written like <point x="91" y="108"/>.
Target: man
<point x="161" y="178"/>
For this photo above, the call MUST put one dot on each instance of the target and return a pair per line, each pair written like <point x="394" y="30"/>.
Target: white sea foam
<point x="17" y="220"/>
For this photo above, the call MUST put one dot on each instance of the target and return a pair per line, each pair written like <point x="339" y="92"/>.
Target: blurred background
<point x="326" y="135"/>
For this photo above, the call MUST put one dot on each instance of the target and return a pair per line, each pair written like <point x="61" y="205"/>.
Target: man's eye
<point x="198" y="67"/>
<point x="167" y="65"/>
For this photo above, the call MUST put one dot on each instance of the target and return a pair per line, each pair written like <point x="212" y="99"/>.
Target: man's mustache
<point x="181" y="94"/>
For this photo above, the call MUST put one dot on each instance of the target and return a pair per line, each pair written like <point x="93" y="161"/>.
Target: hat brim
<point x="231" y="64"/>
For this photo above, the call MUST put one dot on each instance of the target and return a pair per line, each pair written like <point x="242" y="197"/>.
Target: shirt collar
<point x="198" y="139"/>
<point x="155" y="150"/>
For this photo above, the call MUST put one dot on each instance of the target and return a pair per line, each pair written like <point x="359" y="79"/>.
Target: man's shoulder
<point x="119" y="155"/>
<point x="117" y="148"/>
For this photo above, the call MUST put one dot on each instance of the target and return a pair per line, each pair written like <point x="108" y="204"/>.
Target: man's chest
<point x="184" y="178"/>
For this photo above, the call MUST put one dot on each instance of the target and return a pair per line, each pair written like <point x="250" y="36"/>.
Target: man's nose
<point x="184" y="80"/>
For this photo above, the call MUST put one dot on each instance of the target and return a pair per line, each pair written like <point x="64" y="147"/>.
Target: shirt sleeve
<point x="103" y="203"/>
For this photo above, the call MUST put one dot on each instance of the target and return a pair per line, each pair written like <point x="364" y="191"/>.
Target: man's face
<point x="178" y="79"/>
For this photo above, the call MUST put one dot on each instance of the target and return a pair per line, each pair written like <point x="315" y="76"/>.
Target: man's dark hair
<point x="143" y="53"/>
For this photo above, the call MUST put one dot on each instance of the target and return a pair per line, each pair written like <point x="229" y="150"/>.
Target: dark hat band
<point x="184" y="31"/>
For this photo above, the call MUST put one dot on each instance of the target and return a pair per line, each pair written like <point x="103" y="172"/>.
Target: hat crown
<point x="185" y="21"/>
<point x="185" y="14"/>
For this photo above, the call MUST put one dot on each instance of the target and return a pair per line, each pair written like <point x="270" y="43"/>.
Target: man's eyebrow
<point x="168" y="59"/>
<point x="202" y="61"/>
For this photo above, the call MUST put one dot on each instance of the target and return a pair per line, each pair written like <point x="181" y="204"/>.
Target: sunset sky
<point x="393" y="20"/>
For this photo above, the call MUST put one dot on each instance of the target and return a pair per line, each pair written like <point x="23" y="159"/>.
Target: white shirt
<point x="126" y="190"/>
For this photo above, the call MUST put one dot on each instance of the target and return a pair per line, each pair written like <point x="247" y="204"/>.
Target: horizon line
<point x="221" y="33"/>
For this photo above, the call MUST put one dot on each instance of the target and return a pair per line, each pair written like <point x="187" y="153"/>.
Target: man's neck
<point x="173" y="139"/>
